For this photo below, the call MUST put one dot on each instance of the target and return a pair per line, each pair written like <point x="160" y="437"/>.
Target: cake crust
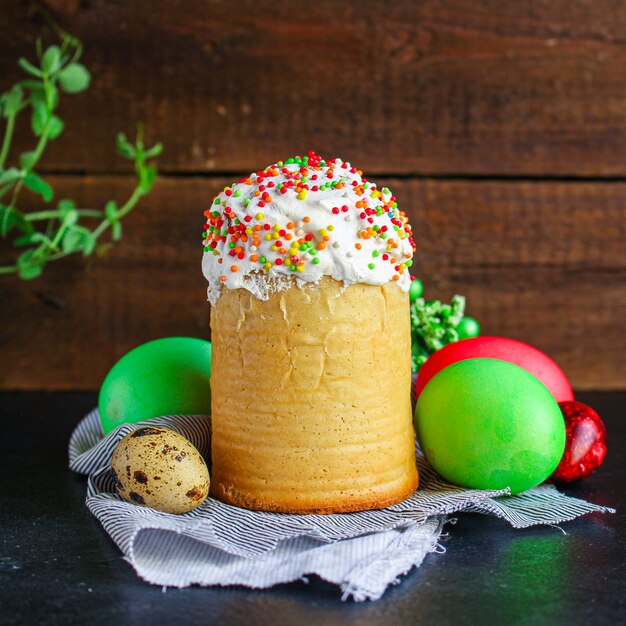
<point x="311" y="400"/>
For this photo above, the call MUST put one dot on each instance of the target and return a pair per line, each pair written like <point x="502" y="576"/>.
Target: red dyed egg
<point x="585" y="442"/>
<point x="532" y="360"/>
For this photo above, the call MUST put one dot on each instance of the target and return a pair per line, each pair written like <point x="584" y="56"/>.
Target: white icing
<point x="341" y="258"/>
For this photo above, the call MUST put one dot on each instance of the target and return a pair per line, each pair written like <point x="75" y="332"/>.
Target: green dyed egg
<point x="489" y="424"/>
<point x="161" y="377"/>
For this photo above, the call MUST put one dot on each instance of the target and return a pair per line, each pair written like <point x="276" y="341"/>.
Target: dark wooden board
<point x="542" y="262"/>
<point x="432" y="87"/>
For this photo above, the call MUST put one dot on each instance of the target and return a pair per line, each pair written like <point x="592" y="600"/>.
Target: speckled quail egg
<point x="158" y="468"/>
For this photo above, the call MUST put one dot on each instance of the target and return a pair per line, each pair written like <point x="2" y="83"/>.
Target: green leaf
<point x="65" y="205"/>
<point x="41" y="113"/>
<point x="124" y="147"/>
<point x="30" y="68"/>
<point x="10" y="175"/>
<point x="38" y="185"/>
<point x="29" y="264"/>
<point x="27" y="159"/>
<point x="147" y="176"/>
<point x="78" y="239"/>
<point x="32" y="238"/>
<point x="110" y="211"/>
<point x="35" y="85"/>
<point x="116" y="231"/>
<point x="10" y="218"/>
<point x="52" y="96"/>
<point x="69" y="214"/>
<point x="74" y="78"/>
<point x="55" y="127"/>
<point x="12" y="101"/>
<point x="51" y="60"/>
<point x="154" y="151"/>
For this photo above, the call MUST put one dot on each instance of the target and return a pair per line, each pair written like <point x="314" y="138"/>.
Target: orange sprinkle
<point x="339" y="186"/>
<point x="257" y="193"/>
<point x="306" y="219"/>
<point x="358" y="246"/>
<point x="321" y="245"/>
<point x="288" y="236"/>
<point x="222" y="278"/>
<point x="257" y="227"/>
<point x="290" y="224"/>
<point x="220" y="260"/>
<point x="233" y="268"/>
<point x="396" y="277"/>
<point x="254" y="257"/>
<point x="326" y="238"/>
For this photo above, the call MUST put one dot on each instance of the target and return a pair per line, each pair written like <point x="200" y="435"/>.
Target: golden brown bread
<point x="311" y="402"/>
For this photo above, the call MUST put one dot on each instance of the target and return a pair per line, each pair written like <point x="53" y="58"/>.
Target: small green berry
<point x="416" y="290"/>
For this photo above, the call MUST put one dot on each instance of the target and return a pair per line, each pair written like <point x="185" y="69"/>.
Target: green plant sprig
<point x="435" y="324"/>
<point x="63" y="233"/>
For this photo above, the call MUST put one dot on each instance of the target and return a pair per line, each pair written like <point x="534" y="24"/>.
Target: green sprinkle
<point x="237" y="221"/>
<point x="290" y="160"/>
<point x="312" y="251"/>
<point x="316" y="260"/>
<point x="385" y="190"/>
<point x="371" y="265"/>
<point x="215" y="214"/>
<point x="304" y="246"/>
<point x="231" y="245"/>
<point x="217" y="201"/>
<point x="280" y="164"/>
<point x="246" y="202"/>
<point x="263" y="259"/>
<point x="293" y="268"/>
<point x="409" y="262"/>
<point x="237" y="193"/>
<point x="375" y="253"/>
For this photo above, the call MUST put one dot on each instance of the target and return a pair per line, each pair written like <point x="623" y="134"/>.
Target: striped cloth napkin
<point x="219" y="544"/>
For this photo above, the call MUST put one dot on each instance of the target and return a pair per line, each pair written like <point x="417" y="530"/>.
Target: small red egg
<point x="532" y="360"/>
<point x="585" y="442"/>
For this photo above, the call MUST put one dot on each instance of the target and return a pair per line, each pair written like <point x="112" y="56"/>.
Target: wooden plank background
<point x="500" y="126"/>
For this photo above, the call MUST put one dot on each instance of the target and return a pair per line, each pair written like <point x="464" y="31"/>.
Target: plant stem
<point x="8" y="269"/>
<point x="6" y="142"/>
<point x="50" y="215"/>
<point x="124" y="210"/>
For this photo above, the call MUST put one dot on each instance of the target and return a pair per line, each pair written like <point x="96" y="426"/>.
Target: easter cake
<point x="307" y="268"/>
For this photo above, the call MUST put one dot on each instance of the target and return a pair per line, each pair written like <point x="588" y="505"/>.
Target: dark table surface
<point x="57" y="565"/>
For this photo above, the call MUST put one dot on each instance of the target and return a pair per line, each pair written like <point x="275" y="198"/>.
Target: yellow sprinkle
<point x="331" y="227"/>
<point x="323" y="232"/>
<point x="276" y="227"/>
<point x="300" y="268"/>
<point x="259" y="216"/>
<point x="274" y="248"/>
<point x="268" y="236"/>
<point x="268" y="265"/>
<point x="302" y="194"/>
<point x="275" y="235"/>
<point x="249" y="231"/>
